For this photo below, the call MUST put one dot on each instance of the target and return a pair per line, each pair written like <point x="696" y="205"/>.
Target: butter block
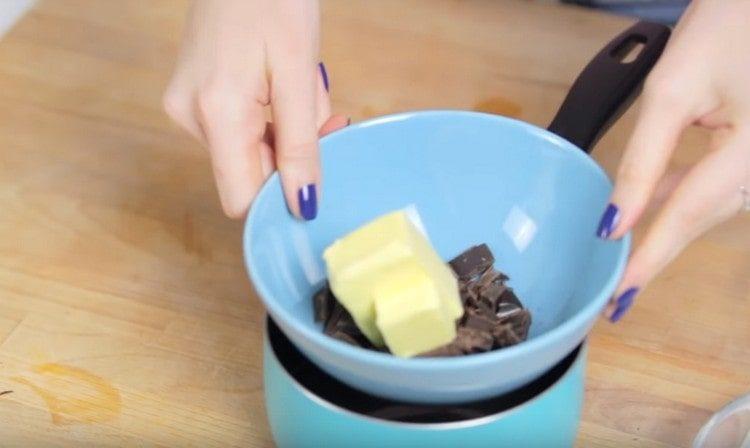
<point x="366" y="257"/>
<point x="410" y="313"/>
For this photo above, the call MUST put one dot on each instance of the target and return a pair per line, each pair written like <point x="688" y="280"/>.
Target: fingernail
<point x="624" y="302"/>
<point x="608" y="222"/>
<point x="324" y="74"/>
<point x="349" y="121"/>
<point x="308" y="202"/>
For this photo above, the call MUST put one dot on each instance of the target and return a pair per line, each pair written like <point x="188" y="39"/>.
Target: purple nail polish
<point x="609" y="221"/>
<point x="324" y="75"/>
<point x="308" y="202"/>
<point x="624" y="302"/>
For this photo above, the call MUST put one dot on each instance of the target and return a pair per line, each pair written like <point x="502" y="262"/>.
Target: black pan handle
<point x="608" y="84"/>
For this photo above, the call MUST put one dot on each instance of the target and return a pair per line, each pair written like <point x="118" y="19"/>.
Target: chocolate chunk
<point x="480" y="320"/>
<point x="470" y="340"/>
<point x="521" y="324"/>
<point x="514" y="328"/>
<point x="511" y="311"/>
<point x="342" y="321"/>
<point x="445" y="350"/>
<point x="504" y="336"/>
<point x="472" y="262"/>
<point x="485" y="309"/>
<point x="470" y="295"/>
<point x="491" y="295"/>
<point x="509" y="296"/>
<point x="493" y="317"/>
<point x="323" y="302"/>
<point x="507" y="311"/>
<point x="490" y="277"/>
<point x="333" y="319"/>
<point x="507" y="304"/>
<point x="341" y="336"/>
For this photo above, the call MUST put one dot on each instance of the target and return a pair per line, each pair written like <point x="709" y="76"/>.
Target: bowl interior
<point x="534" y="198"/>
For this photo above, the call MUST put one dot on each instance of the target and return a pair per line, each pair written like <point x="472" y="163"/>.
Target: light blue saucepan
<point x="531" y="194"/>
<point x="308" y="408"/>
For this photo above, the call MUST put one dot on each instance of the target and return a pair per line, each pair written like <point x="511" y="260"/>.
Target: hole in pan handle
<point x="609" y="84"/>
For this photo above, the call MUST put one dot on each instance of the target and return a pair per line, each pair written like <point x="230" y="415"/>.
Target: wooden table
<point x="126" y="317"/>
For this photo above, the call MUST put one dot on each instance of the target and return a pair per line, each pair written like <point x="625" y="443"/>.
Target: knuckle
<point x="176" y="104"/>
<point x="296" y="154"/>
<point x="217" y="97"/>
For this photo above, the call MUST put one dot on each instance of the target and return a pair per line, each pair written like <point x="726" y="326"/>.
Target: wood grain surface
<point x="126" y="317"/>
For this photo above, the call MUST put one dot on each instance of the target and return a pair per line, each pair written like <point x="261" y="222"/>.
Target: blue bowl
<point x="529" y="193"/>
<point x="532" y="196"/>
<point x="308" y="408"/>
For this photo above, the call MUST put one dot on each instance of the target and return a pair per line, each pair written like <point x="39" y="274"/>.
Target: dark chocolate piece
<point x="490" y="277"/>
<point x="445" y="350"/>
<point x="469" y="296"/>
<point x="470" y="340"/>
<point x="507" y="311"/>
<point x="341" y="336"/>
<point x="491" y="295"/>
<point x="479" y="320"/>
<point x="333" y="320"/>
<point x="493" y="316"/>
<point x="521" y="324"/>
<point x="509" y="296"/>
<point x="485" y="309"/>
<point x="323" y="302"/>
<point x="472" y="262"/>
<point x="341" y="321"/>
<point x="504" y="336"/>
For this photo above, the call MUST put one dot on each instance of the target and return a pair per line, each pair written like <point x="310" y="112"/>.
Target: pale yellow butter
<point x="364" y="259"/>
<point x="410" y="313"/>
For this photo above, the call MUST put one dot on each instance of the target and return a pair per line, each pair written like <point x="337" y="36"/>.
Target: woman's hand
<point x="238" y="57"/>
<point x="702" y="79"/>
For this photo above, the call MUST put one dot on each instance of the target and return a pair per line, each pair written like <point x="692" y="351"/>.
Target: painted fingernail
<point x="324" y="74"/>
<point x="624" y="302"/>
<point x="608" y="222"/>
<point x="308" y="202"/>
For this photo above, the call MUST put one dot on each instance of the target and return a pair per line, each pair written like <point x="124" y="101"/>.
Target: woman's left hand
<point x="702" y="79"/>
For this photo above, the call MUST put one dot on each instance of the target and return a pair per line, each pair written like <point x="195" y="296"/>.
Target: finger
<point x="180" y="106"/>
<point x="670" y="181"/>
<point x="646" y="156"/>
<point x="323" y="112"/>
<point x="294" y="102"/>
<point x="234" y="130"/>
<point x="268" y="155"/>
<point x="666" y="186"/>
<point x="709" y="194"/>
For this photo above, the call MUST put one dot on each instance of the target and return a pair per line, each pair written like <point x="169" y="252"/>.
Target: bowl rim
<point x="362" y="355"/>
<point x="580" y="351"/>
<point x="741" y="403"/>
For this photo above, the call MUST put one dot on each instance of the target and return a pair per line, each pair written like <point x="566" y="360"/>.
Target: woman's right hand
<point x="238" y="57"/>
